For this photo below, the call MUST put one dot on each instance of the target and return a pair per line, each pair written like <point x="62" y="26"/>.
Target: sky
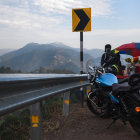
<point x="114" y="22"/>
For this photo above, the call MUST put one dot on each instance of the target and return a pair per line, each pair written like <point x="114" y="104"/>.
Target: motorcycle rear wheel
<point x="98" y="104"/>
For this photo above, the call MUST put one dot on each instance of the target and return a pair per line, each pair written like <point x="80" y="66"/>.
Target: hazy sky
<point x="45" y="21"/>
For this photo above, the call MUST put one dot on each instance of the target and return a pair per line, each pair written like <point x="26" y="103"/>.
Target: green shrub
<point x="15" y="126"/>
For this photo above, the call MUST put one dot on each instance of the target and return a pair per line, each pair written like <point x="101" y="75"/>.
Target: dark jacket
<point x="109" y="59"/>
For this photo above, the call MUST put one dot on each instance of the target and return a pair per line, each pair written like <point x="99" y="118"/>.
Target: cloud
<point x="35" y="19"/>
<point x="64" y="7"/>
<point x="117" y="32"/>
<point x="39" y="13"/>
<point x="115" y="37"/>
<point x="16" y="17"/>
<point x="43" y="21"/>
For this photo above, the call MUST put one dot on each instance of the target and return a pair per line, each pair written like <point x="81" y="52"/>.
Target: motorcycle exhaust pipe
<point x="94" y="102"/>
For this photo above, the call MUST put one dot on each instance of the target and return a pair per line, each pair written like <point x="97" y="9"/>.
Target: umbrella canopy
<point x="130" y="49"/>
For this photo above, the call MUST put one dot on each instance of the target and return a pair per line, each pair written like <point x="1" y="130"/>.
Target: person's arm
<point x="102" y="59"/>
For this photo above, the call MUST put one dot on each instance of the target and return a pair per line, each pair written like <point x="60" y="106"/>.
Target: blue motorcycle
<point x="108" y="98"/>
<point x="98" y="98"/>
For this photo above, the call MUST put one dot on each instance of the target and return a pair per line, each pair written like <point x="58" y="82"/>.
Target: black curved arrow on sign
<point x="84" y="19"/>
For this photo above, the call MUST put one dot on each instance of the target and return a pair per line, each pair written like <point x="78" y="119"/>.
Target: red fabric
<point x="126" y="47"/>
<point x="129" y="47"/>
<point x="137" y="53"/>
<point x="136" y="58"/>
<point x="121" y="77"/>
<point x="138" y="69"/>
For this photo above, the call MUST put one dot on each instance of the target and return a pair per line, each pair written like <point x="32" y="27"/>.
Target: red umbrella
<point x="130" y="49"/>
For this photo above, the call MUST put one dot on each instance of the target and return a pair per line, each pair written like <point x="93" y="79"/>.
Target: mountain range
<point x="50" y="56"/>
<point x="4" y="51"/>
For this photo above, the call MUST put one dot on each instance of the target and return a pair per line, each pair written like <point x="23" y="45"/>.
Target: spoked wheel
<point x="134" y="119"/>
<point x="98" y="104"/>
<point x="135" y="123"/>
<point x="135" y="116"/>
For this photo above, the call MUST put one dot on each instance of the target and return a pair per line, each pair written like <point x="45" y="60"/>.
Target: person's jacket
<point x="110" y="59"/>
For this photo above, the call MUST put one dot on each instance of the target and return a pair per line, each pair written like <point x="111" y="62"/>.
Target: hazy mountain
<point x="4" y="51"/>
<point x="94" y="52"/>
<point x="51" y="56"/>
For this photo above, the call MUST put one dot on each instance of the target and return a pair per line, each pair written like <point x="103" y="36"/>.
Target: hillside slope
<point x="50" y="56"/>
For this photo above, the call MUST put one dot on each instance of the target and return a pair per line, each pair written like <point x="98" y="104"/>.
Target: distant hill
<point x="50" y="56"/>
<point x="4" y="51"/>
<point x="94" y="52"/>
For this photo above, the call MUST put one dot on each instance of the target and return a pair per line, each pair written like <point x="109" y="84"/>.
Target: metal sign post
<point x="81" y="52"/>
<point x="81" y="66"/>
<point x="81" y="21"/>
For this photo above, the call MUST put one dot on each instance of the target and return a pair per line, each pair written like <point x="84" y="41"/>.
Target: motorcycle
<point x="108" y="98"/>
<point x="98" y="97"/>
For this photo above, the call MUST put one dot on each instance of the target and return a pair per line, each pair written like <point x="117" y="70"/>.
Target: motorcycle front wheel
<point x="135" y="123"/>
<point x="134" y="118"/>
<point x="98" y="104"/>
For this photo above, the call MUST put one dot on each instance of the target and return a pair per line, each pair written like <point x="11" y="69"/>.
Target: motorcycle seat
<point x="123" y="80"/>
<point x="118" y="88"/>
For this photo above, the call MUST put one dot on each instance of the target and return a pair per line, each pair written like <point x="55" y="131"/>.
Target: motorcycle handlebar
<point x="99" y="70"/>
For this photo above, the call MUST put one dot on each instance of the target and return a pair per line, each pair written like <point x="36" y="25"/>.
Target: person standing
<point x="110" y="59"/>
<point x="106" y="57"/>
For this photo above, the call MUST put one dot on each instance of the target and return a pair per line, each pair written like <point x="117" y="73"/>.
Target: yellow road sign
<point x="81" y="19"/>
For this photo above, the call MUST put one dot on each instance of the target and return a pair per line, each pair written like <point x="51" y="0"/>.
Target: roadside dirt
<point x="81" y="124"/>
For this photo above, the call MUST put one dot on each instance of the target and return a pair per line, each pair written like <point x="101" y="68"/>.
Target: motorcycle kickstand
<point x="114" y="120"/>
<point x="124" y="122"/>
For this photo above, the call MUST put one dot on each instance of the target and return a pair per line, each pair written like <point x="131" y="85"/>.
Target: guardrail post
<point x="36" y="122"/>
<point x="66" y="103"/>
<point x="88" y="89"/>
<point x="82" y="96"/>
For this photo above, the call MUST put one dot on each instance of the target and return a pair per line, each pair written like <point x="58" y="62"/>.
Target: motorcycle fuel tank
<point x="107" y="79"/>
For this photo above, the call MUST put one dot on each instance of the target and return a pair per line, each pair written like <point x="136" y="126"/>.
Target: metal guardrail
<point x="16" y="94"/>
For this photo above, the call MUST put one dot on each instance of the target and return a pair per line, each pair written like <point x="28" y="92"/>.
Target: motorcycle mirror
<point x="103" y="70"/>
<point x="90" y="67"/>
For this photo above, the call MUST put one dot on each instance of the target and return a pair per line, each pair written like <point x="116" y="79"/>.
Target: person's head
<point x="107" y="48"/>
